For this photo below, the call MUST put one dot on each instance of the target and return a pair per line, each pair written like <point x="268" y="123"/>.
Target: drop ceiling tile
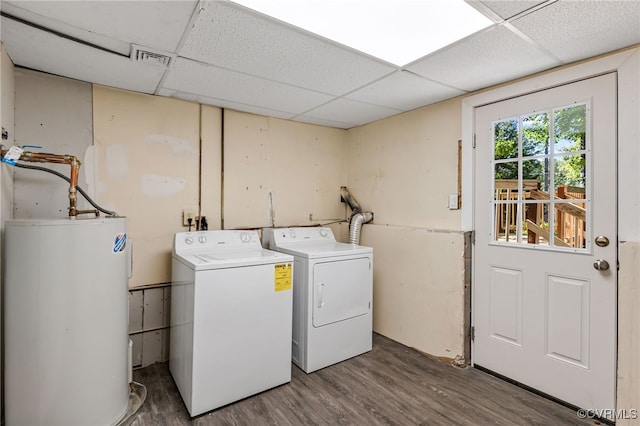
<point x="508" y="9"/>
<point x="213" y="82"/>
<point x="404" y="91"/>
<point x="190" y="97"/>
<point x="323" y="122"/>
<point x="253" y="109"/>
<point x="110" y="24"/>
<point x="489" y="57"/>
<point x="32" y="48"/>
<point x="574" y="30"/>
<point x="349" y="111"/>
<point x="232" y="37"/>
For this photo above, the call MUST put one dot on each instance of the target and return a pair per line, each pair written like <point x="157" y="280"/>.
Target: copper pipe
<point x="94" y="212"/>
<point x="73" y="200"/>
<point x="41" y="157"/>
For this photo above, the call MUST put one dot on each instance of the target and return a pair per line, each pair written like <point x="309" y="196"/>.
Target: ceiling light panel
<point x="230" y="36"/>
<point x="398" y="31"/>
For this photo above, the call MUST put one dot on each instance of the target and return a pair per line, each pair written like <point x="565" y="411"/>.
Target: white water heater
<point x="66" y="322"/>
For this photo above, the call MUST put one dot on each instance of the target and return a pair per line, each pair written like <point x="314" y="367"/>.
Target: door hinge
<point x="473" y="332"/>
<point x="473" y="141"/>
<point x="473" y="237"/>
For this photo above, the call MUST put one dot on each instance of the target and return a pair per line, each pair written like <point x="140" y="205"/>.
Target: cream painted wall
<point x="281" y="173"/>
<point x="146" y="167"/>
<point x="403" y="168"/>
<point x="418" y="277"/>
<point x="211" y="165"/>
<point x="628" y="334"/>
<point x="55" y="113"/>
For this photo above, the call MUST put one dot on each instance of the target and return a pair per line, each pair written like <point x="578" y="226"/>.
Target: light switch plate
<point x="453" y="201"/>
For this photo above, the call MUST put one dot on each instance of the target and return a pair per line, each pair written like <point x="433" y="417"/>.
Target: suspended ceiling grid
<point x="223" y="54"/>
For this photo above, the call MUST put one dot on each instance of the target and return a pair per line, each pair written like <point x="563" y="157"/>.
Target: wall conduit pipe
<point x="346" y="197"/>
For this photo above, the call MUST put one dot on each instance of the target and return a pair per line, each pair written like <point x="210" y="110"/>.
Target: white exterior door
<point x="544" y="301"/>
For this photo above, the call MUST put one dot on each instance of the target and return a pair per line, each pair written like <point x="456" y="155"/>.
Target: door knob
<point x="601" y="265"/>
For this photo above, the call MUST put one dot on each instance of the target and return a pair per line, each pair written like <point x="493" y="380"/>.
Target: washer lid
<point x="218" y="259"/>
<point x="320" y="249"/>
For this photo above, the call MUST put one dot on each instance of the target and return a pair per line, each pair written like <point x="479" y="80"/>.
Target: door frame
<point x="627" y="65"/>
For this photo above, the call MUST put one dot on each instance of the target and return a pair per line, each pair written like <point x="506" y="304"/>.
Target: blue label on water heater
<point x="119" y="243"/>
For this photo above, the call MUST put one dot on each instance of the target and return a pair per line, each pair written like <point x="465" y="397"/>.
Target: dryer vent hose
<point x="355" y="225"/>
<point x="358" y="217"/>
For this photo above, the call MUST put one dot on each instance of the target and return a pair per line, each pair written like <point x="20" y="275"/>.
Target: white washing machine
<point x="332" y="295"/>
<point x="231" y="310"/>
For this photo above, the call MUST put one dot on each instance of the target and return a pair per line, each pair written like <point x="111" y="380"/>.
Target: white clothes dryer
<point x="332" y="295"/>
<point x="231" y="310"/>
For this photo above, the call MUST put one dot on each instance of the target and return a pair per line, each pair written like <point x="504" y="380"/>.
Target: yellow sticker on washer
<point x="283" y="276"/>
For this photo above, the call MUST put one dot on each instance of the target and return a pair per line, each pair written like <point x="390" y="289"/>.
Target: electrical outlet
<point x="186" y="215"/>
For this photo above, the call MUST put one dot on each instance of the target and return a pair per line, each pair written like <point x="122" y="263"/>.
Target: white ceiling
<point x="226" y="55"/>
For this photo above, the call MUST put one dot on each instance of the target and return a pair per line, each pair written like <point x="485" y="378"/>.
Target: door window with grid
<point x="541" y="185"/>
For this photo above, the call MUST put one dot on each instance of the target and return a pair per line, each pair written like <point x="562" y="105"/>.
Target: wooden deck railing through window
<point x="569" y="214"/>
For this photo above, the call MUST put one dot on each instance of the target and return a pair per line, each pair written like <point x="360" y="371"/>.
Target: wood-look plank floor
<point x="391" y="385"/>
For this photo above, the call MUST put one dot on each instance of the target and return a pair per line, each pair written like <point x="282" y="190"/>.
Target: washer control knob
<point x="324" y="232"/>
<point x="202" y="239"/>
<point x="292" y="233"/>
<point x="188" y="240"/>
<point x="245" y="237"/>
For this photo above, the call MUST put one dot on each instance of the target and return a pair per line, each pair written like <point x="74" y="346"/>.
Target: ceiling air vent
<point x="151" y="56"/>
